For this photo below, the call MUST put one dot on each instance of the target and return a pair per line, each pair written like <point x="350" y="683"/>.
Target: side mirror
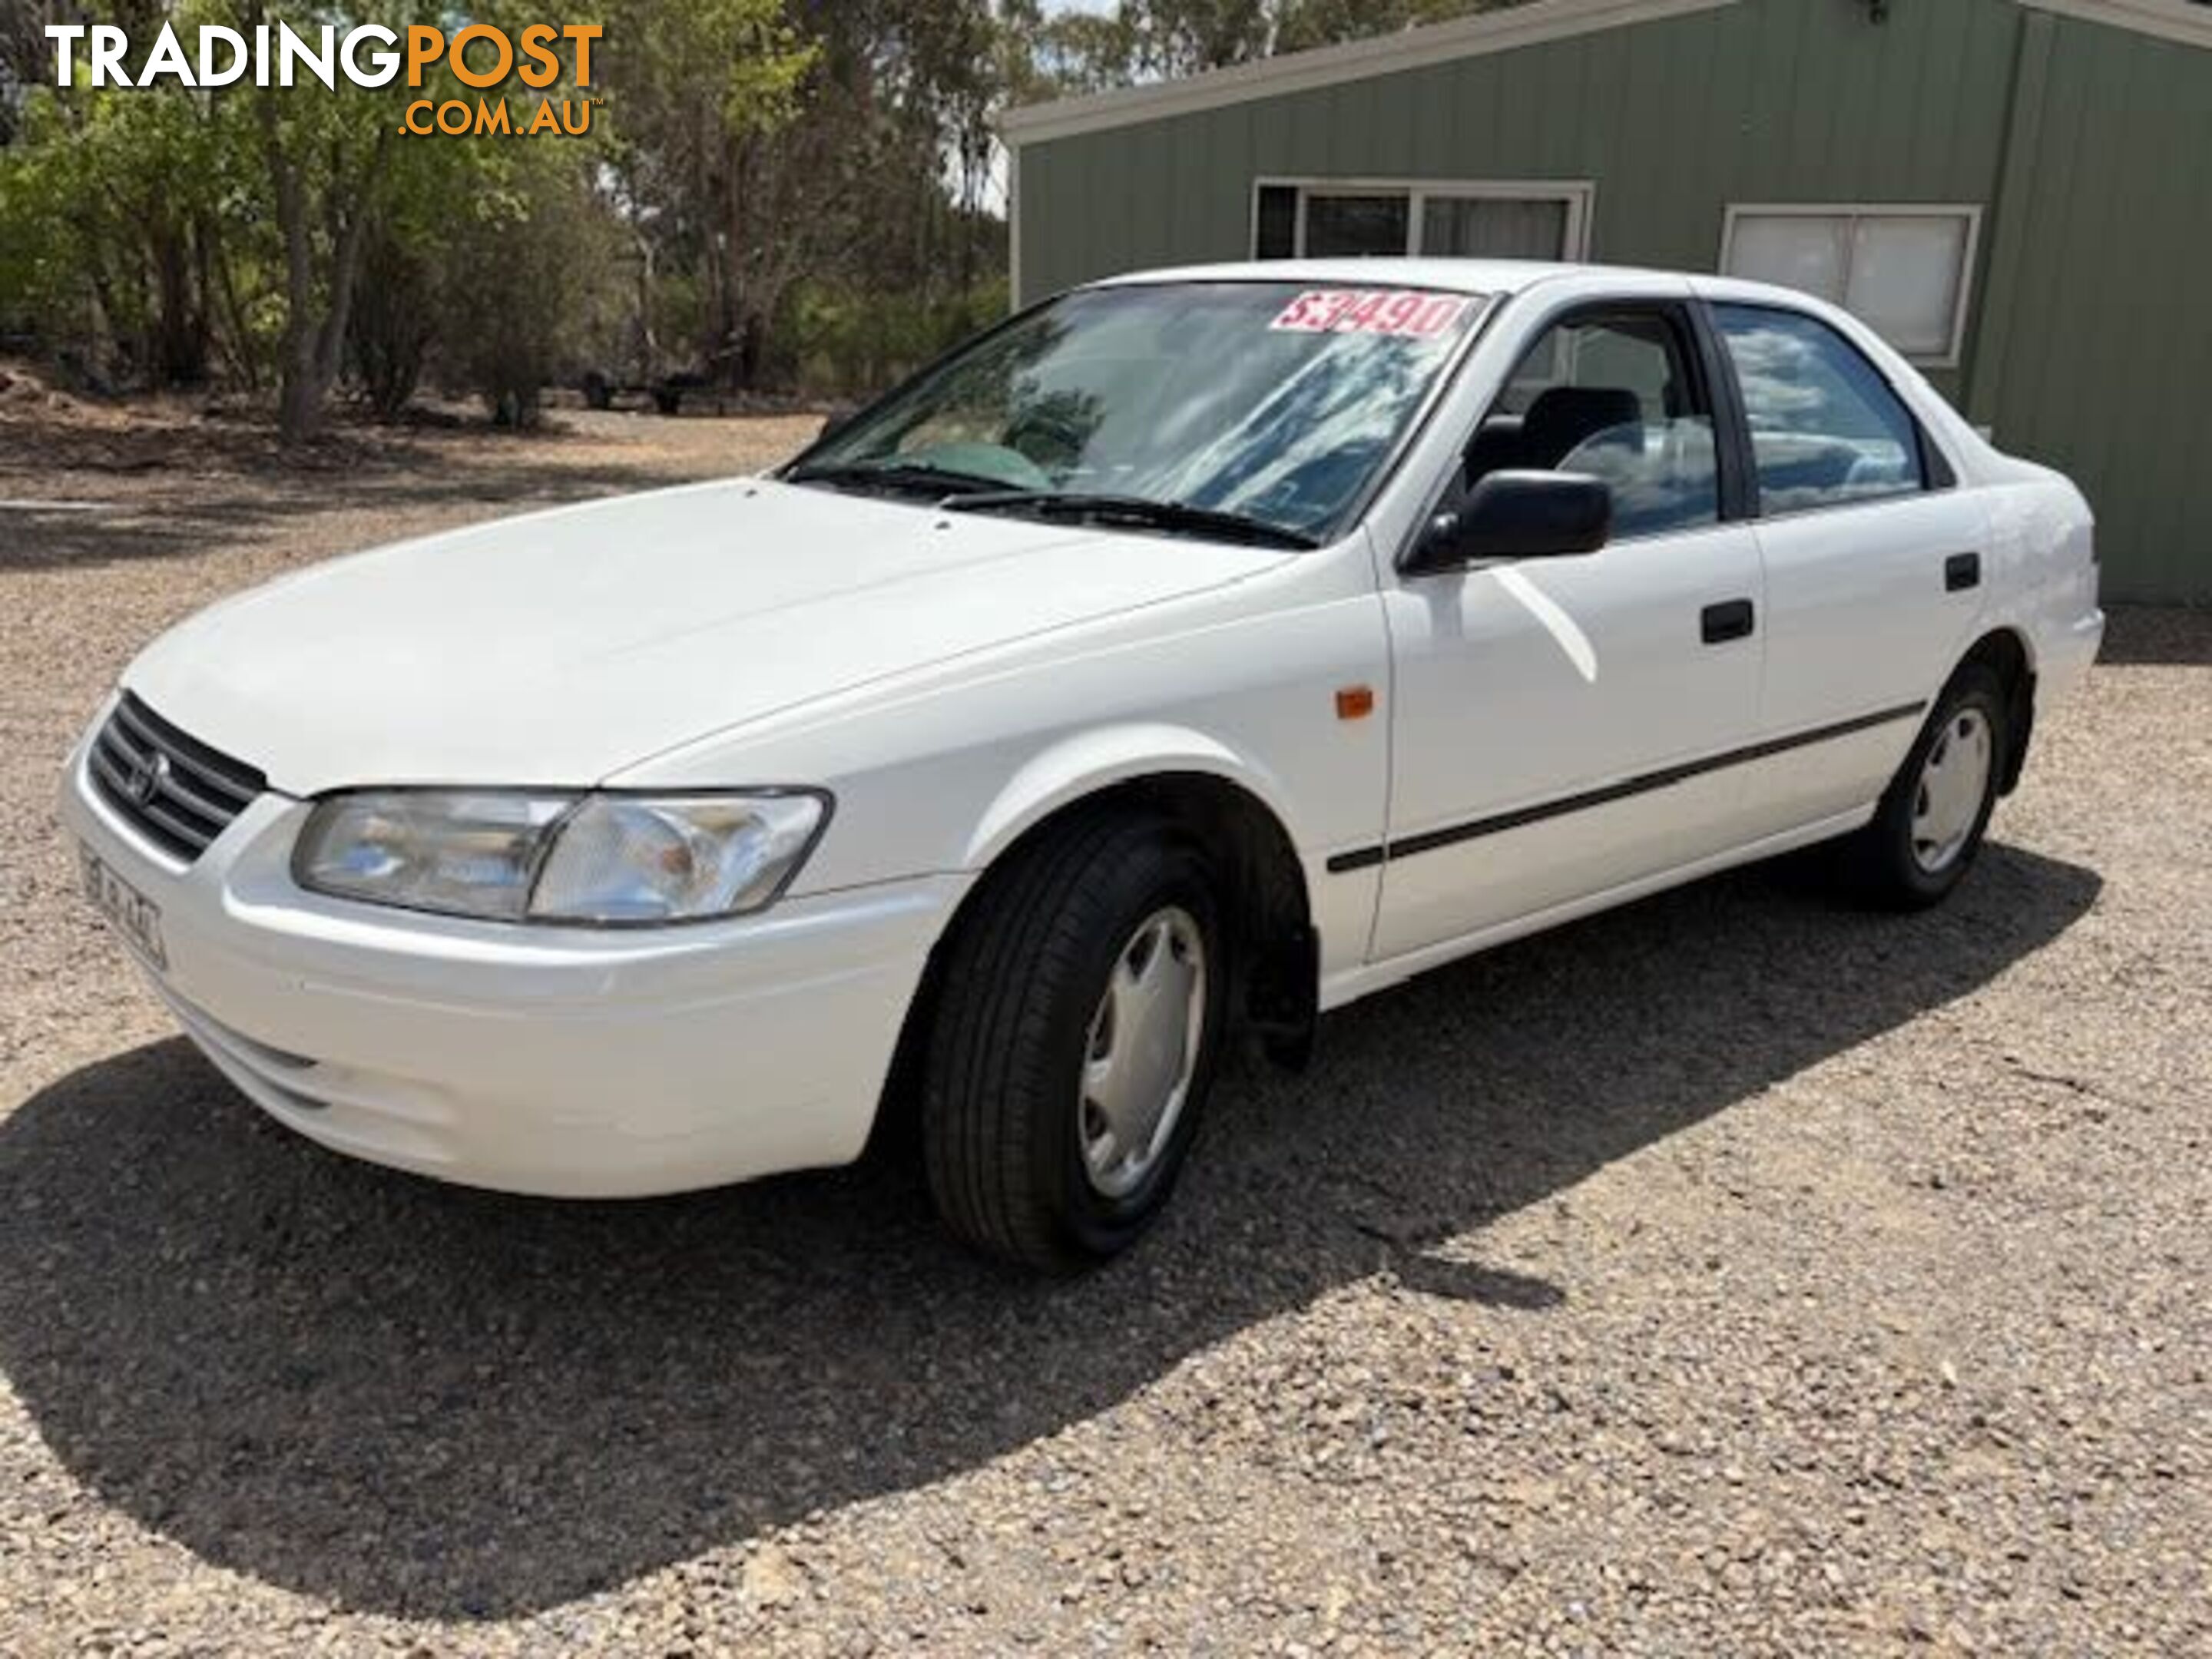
<point x="1517" y="515"/>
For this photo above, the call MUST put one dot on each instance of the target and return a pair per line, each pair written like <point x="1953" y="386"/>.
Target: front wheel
<point x="1078" y="1023"/>
<point x="1929" y="826"/>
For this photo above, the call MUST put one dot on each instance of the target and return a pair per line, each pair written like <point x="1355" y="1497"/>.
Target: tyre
<point x="1079" y="1020"/>
<point x="1929" y="825"/>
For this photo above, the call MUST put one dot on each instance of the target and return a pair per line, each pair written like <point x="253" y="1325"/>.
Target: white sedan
<point x="1195" y="651"/>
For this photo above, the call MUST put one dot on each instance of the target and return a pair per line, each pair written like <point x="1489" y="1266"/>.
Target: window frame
<point x="1954" y="348"/>
<point x="1577" y="196"/>
<point x="1713" y="379"/>
<point x="1937" y="473"/>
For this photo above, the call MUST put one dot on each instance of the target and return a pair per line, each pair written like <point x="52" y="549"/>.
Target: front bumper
<point x="567" y="1061"/>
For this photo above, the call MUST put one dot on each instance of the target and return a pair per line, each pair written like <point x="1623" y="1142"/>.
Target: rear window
<point x="1826" y="429"/>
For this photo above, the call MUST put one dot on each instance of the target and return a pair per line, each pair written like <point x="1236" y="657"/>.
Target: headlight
<point x="608" y="859"/>
<point x="674" y="858"/>
<point x="462" y="855"/>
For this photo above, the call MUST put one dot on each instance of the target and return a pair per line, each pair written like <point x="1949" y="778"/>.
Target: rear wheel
<point x="1078" y="1023"/>
<point x="1927" y="831"/>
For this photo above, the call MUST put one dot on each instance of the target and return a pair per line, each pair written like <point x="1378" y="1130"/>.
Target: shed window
<point x="1275" y="226"/>
<point x="1350" y="225"/>
<point x="1493" y="227"/>
<point x="1903" y="271"/>
<point x="1328" y="218"/>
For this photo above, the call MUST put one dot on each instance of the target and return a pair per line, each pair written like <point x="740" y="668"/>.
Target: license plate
<point x="131" y="914"/>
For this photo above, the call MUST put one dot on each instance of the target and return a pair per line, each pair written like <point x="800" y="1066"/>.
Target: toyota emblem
<point x="146" y="774"/>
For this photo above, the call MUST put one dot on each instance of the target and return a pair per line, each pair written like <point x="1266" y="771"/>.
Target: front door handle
<point x="1731" y="619"/>
<point x="1962" y="571"/>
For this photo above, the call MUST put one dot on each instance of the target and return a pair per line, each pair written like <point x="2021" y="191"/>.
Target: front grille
<point x="172" y="788"/>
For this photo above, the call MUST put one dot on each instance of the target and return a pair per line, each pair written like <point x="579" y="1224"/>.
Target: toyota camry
<point x="1187" y="656"/>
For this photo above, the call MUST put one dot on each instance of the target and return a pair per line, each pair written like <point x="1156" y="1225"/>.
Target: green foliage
<point x="844" y="343"/>
<point x="110" y="202"/>
<point x="1148" y="40"/>
<point x="709" y="69"/>
<point x="525" y="270"/>
<point x="777" y="193"/>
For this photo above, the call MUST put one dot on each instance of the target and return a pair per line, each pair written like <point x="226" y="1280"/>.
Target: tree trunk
<point x="103" y="296"/>
<point x="244" y="358"/>
<point x="309" y="354"/>
<point x="298" y="398"/>
<point x="181" y="325"/>
<point x="649" y="332"/>
<point x="347" y="240"/>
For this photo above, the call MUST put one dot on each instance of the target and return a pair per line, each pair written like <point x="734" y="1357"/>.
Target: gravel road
<point x="1734" y="1273"/>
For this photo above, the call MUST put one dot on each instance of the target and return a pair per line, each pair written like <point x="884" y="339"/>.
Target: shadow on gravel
<point x="412" y="1399"/>
<point x="2165" y="635"/>
<point x="137" y="529"/>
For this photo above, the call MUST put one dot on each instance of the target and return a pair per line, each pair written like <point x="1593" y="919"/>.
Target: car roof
<point x="1490" y="278"/>
<point x="1452" y="275"/>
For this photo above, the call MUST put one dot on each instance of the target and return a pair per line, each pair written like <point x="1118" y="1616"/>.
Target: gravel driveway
<point x="1732" y="1274"/>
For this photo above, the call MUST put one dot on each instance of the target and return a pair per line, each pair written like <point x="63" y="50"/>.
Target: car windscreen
<point x="1272" y="402"/>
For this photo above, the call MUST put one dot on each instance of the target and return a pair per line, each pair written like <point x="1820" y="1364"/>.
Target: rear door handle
<point x="1962" y="571"/>
<point x="1731" y="619"/>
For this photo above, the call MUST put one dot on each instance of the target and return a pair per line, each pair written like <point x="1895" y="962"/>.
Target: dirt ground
<point x="1733" y="1273"/>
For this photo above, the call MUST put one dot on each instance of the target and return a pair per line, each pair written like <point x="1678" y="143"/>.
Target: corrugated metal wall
<point x="2082" y="344"/>
<point x="2094" y="346"/>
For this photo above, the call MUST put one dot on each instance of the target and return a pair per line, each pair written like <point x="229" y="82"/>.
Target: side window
<point x="1826" y="428"/>
<point x="1612" y="396"/>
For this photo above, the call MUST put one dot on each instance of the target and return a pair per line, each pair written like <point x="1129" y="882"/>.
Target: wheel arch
<point x="1095" y="763"/>
<point x="2007" y="651"/>
<point x="1234" y="807"/>
<point x="1198" y="785"/>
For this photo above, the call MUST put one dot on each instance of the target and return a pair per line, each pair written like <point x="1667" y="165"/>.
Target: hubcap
<point x="1144" y="1045"/>
<point x="1954" y="779"/>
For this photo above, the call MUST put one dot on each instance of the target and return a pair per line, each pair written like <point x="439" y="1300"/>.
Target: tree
<point x="1156" y="40"/>
<point x="536" y="220"/>
<point x="110" y="202"/>
<point x="778" y="183"/>
<point x="327" y="151"/>
<point x="707" y="89"/>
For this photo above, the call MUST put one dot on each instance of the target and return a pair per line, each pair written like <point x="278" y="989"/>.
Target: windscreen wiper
<point x="1139" y="511"/>
<point x="908" y="478"/>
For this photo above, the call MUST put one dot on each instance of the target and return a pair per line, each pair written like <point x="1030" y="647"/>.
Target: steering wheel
<point x="1048" y="436"/>
<point x="995" y="461"/>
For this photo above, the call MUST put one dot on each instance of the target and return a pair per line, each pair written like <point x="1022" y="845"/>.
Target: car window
<point x="1277" y="401"/>
<point x="1826" y="429"/>
<point x="1614" y="396"/>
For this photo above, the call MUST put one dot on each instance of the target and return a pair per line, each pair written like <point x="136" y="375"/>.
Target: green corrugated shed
<point x="2080" y="130"/>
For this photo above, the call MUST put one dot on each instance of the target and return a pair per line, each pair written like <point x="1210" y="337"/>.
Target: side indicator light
<point x="1355" y="702"/>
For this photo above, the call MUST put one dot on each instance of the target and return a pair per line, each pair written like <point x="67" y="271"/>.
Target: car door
<point x="1554" y="720"/>
<point x="1873" y="563"/>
